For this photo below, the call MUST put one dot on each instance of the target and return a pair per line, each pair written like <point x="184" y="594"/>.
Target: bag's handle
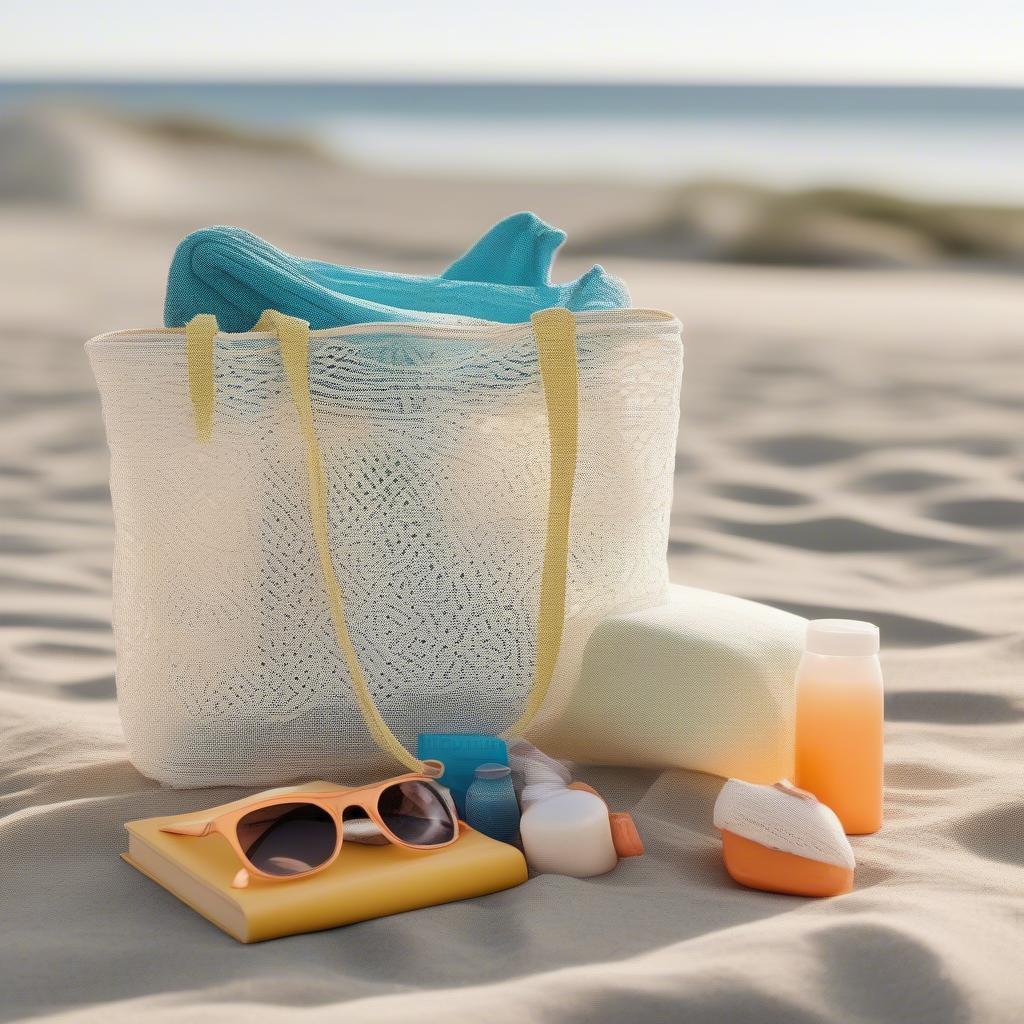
<point x="200" y="334"/>
<point x="555" y="331"/>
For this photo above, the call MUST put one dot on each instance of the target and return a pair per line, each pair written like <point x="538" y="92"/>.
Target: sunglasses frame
<point x="334" y="802"/>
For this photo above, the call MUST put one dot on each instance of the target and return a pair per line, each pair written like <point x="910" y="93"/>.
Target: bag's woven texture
<point x="436" y="452"/>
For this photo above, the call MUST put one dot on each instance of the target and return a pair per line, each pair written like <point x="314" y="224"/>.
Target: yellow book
<point x="363" y="883"/>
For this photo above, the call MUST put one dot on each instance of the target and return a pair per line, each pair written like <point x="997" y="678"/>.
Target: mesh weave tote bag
<point x="330" y="541"/>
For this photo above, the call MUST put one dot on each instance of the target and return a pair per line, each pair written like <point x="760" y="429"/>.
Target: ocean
<point x="926" y="142"/>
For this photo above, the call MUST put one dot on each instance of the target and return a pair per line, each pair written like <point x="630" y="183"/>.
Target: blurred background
<point x="807" y="133"/>
<point x="828" y="195"/>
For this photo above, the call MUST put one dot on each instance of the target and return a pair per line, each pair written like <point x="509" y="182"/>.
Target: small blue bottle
<point x="491" y="804"/>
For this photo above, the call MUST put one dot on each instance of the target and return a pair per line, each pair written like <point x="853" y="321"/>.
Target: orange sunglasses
<point x="292" y="835"/>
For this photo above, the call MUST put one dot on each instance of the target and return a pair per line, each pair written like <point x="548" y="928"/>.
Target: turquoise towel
<point x="504" y="277"/>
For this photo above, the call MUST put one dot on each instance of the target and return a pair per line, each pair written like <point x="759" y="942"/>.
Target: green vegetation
<point x="731" y="221"/>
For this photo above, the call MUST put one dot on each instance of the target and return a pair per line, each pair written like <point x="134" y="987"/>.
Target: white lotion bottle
<point x="568" y="834"/>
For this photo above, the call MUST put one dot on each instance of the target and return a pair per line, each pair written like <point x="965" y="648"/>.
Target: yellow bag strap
<point x="555" y="330"/>
<point x="293" y="339"/>
<point x="200" y="334"/>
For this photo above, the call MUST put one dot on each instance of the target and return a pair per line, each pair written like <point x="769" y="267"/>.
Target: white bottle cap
<point x="842" y="637"/>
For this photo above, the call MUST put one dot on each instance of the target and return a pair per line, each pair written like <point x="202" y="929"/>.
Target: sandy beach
<point x="851" y="444"/>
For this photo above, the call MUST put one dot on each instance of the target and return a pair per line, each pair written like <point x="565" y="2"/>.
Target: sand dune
<point x="164" y="169"/>
<point x="850" y="445"/>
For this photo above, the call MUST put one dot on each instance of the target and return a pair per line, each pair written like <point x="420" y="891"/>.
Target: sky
<point x="974" y="42"/>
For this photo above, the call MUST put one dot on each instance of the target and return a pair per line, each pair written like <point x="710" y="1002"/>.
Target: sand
<point x="850" y="445"/>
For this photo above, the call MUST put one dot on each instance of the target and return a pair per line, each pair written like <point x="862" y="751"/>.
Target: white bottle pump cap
<point x="842" y="637"/>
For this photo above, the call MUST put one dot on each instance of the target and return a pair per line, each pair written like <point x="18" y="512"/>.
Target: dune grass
<point x="736" y="221"/>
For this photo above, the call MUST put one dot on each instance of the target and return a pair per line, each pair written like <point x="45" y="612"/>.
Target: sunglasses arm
<point x="188" y="828"/>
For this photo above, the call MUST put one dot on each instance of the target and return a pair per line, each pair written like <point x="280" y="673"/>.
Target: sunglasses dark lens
<point x="288" y="839"/>
<point x="415" y="813"/>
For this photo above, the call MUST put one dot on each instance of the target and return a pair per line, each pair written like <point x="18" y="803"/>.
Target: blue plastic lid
<point x="492" y="771"/>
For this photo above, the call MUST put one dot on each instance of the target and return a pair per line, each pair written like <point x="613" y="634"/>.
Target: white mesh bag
<point x="331" y="541"/>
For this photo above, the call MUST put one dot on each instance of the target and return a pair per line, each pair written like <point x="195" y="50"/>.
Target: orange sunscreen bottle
<point x="839" y="717"/>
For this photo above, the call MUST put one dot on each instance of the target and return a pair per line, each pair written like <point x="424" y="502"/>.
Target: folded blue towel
<point x="504" y="277"/>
